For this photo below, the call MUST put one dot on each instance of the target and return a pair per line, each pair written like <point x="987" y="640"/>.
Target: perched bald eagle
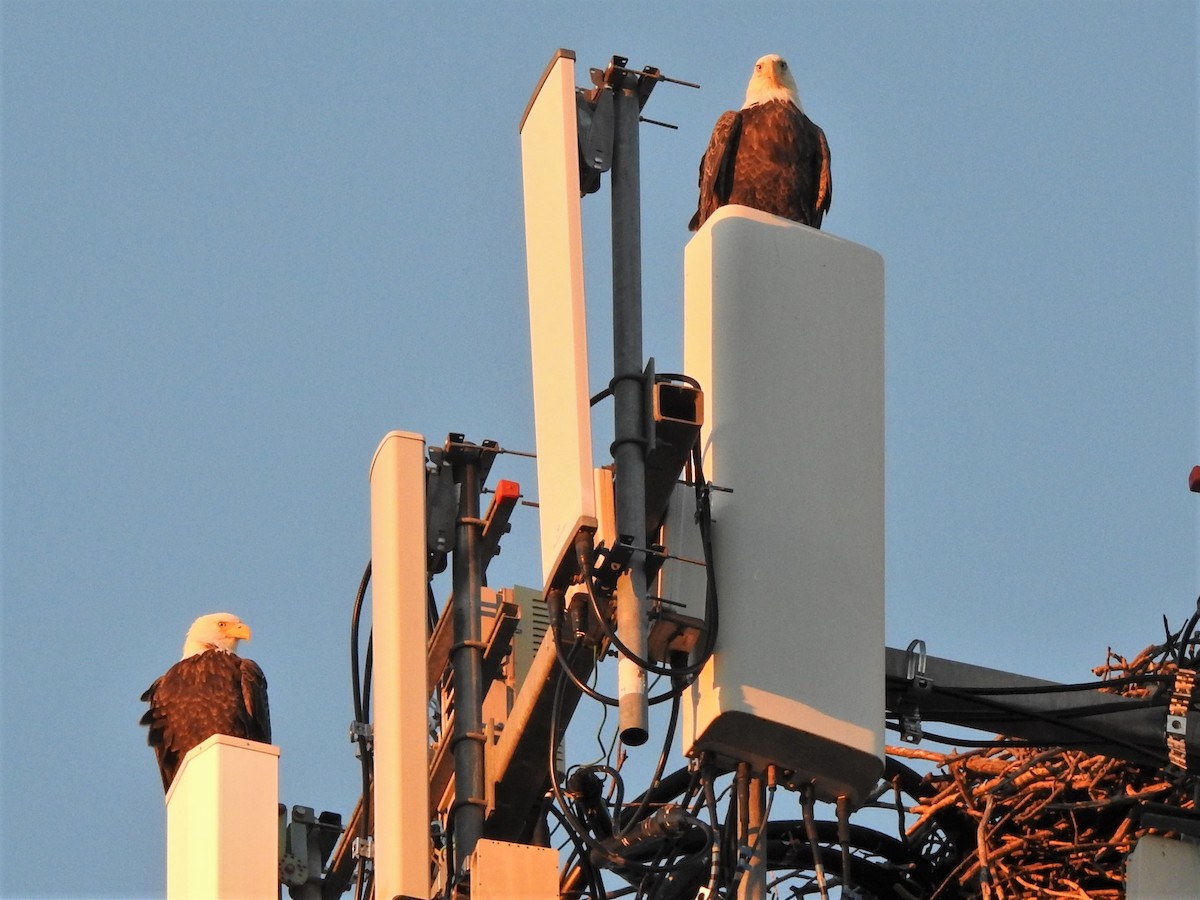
<point x="768" y="155"/>
<point x="211" y="690"/>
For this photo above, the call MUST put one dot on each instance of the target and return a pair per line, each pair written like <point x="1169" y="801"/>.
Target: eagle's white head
<point x="772" y="80"/>
<point x="218" y="631"/>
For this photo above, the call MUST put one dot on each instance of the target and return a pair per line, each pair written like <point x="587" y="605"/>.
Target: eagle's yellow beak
<point x="241" y="631"/>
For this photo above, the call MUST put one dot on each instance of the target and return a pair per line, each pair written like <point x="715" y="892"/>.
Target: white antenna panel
<point x="784" y="330"/>
<point x="557" y="317"/>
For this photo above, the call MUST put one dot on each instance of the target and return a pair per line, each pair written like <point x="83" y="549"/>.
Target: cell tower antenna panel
<point x="557" y="316"/>
<point x="400" y="792"/>
<point x="784" y="330"/>
<point x="223" y="821"/>
<point x="1160" y="867"/>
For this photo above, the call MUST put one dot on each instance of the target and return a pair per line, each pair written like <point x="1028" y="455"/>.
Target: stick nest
<point x="1018" y="822"/>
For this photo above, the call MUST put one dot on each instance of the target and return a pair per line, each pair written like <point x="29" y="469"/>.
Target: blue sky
<point x="241" y="242"/>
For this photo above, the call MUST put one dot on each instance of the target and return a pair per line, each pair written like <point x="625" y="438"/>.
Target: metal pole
<point x="467" y="659"/>
<point x="629" y="421"/>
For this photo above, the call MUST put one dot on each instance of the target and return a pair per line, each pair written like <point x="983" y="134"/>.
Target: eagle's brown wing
<point x="254" y="698"/>
<point x="210" y="693"/>
<point x="824" y="180"/>
<point x="717" y="167"/>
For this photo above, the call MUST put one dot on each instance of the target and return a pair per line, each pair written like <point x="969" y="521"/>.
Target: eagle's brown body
<point x="768" y="156"/>
<point x="214" y="692"/>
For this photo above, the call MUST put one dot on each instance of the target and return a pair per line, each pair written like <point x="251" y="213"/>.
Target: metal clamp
<point x="362" y="734"/>
<point x="610" y="563"/>
<point x="363" y="848"/>
<point x="919" y="684"/>
<point x="1177" y="710"/>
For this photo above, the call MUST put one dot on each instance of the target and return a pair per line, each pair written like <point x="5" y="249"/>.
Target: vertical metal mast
<point x="629" y="440"/>
<point x="467" y="652"/>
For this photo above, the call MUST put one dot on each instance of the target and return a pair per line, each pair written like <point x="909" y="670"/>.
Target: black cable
<point x="598" y="825"/>
<point x="1067" y="688"/>
<point x="704" y="519"/>
<point x="585" y="861"/>
<point x="615" y="859"/>
<point x="710" y="801"/>
<point x="355" y="620"/>
<point x="1128" y="704"/>
<point x="361" y="712"/>
<point x="554" y="609"/>
<point x="1003" y="712"/>
<point x="810" y="829"/>
<point x="574" y="826"/>
<point x="732" y="839"/>
<point x="843" y="831"/>
<point x="644" y="803"/>
<point x="431" y="610"/>
<point x="960" y="741"/>
<point x="368" y="669"/>
<point x="596" y="398"/>
<point x="1055" y="718"/>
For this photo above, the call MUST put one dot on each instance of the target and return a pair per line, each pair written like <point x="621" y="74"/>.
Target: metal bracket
<point x="363" y="848"/>
<point x="595" y="114"/>
<point x="1177" y="710"/>
<point x="670" y="631"/>
<point x="610" y="563"/>
<point x="919" y="685"/>
<point x="458" y="450"/>
<point x="305" y="844"/>
<point x="360" y="732"/>
<point x="441" y="506"/>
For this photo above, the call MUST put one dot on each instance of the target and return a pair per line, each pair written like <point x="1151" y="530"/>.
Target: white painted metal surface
<point x="1163" y="869"/>
<point x="223" y="822"/>
<point x="557" y="322"/>
<point x="400" y="806"/>
<point x="784" y="330"/>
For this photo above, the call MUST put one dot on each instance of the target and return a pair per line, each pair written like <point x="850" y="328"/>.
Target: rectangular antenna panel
<point x="1161" y="868"/>
<point x="223" y="821"/>
<point x="784" y="330"/>
<point x="399" y="615"/>
<point x="557" y="320"/>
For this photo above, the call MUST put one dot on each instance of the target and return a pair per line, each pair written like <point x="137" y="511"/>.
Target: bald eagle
<point x="768" y="155"/>
<point x="211" y="690"/>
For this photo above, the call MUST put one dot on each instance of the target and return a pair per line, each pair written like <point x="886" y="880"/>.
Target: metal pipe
<point x="629" y="441"/>
<point x="467" y="659"/>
